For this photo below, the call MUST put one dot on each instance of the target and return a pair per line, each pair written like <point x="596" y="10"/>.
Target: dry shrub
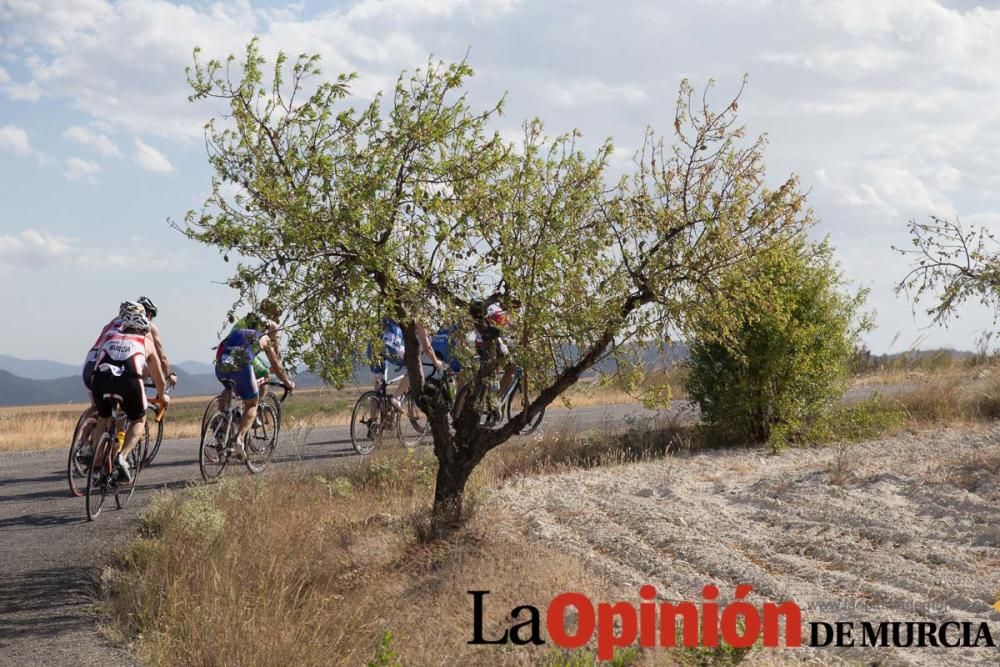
<point x="305" y="569"/>
<point x="840" y="469"/>
<point x="959" y="399"/>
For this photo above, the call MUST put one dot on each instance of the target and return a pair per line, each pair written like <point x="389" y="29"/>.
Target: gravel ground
<point x="899" y="529"/>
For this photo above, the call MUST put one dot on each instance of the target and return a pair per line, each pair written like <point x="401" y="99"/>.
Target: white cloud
<point x="592" y="91"/>
<point x="14" y="140"/>
<point x="96" y="139"/>
<point x="78" y="169"/>
<point x="140" y="48"/>
<point x="39" y="249"/>
<point x="4" y="76"/>
<point x="889" y="109"/>
<point x="151" y="159"/>
<point x="33" y="248"/>
<point x="24" y="92"/>
<point x="892" y="190"/>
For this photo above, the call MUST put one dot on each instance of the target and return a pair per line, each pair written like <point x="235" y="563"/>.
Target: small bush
<point x="786" y="364"/>
<point x="385" y="656"/>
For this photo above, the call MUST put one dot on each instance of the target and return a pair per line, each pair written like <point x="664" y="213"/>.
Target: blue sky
<point x="886" y="110"/>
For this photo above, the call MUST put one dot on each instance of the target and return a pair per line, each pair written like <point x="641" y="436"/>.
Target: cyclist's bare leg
<point x="401" y="388"/>
<point x="372" y="404"/>
<point x="132" y="435"/>
<point x="249" y="414"/>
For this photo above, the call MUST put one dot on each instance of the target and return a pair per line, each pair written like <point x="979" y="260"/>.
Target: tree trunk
<point x="449" y="492"/>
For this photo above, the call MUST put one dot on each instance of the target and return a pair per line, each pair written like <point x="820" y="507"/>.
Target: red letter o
<point x="555" y="620"/>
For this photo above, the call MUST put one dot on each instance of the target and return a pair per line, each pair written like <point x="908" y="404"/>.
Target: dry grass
<point x="51" y="426"/>
<point x="610" y="391"/>
<point x="308" y="569"/>
<point x="953" y="398"/>
<point x="31" y="427"/>
<point x="640" y="440"/>
<point x="313" y="570"/>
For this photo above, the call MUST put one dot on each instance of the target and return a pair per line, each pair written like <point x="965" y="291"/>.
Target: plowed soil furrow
<point x="900" y="529"/>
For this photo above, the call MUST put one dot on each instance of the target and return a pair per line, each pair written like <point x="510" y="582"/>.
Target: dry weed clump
<point x="976" y="471"/>
<point x="972" y="397"/>
<point x="307" y="569"/>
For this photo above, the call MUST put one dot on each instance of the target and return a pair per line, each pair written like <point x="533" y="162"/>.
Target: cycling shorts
<point x="104" y="386"/>
<point x="244" y="377"/>
<point x="377" y="366"/>
<point x="396" y="368"/>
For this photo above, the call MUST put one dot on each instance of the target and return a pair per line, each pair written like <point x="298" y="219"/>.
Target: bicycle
<point x="493" y="405"/>
<point x="81" y="450"/>
<point x="220" y="429"/>
<point x="375" y="415"/>
<point x="103" y="476"/>
<point x="224" y="396"/>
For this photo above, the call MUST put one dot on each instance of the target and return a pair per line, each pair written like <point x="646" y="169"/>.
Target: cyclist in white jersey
<point x="122" y="360"/>
<point x="393" y="351"/>
<point x="113" y="326"/>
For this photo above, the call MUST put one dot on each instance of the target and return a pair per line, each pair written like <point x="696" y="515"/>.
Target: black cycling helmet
<point x="148" y="304"/>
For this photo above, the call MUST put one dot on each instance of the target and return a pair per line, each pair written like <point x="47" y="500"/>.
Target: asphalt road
<point x="52" y="557"/>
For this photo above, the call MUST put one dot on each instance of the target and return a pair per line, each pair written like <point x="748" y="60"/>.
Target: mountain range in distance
<point x="43" y="382"/>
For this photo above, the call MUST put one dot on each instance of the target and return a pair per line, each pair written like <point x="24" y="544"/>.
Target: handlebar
<point x="159" y="412"/>
<point x="284" y="387"/>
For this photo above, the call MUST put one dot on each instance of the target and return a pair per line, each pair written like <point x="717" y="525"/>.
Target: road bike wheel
<point x="413" y="425"/>
<point x="123" y="492"/>
<point x="262" y="438"/>
<point x="213" y="455"/>
<point x="531" y="426"/>
<point x="276" y="404"/>
<point x="80" y="454"/>
<point x="87" y="414"/>
<point x="365" y="434"/>
<point x="157" y="440"/>
<point x="143" y="446"/>
<point x="99" y="476"/>
<point x="210" y="409"/>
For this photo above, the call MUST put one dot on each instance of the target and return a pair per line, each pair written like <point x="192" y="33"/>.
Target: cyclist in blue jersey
<point x="234" y="360"/>
<point x="393" y="351"/>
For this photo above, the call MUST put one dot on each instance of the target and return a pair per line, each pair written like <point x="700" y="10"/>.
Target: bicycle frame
<point x="385" y="382"/>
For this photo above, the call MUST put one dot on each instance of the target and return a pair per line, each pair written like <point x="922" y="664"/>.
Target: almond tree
<point x="415" y="207"/>
<point x="952" y="263"/>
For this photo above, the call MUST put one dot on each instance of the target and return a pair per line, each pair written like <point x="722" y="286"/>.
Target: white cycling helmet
<point x="135" y="322"/>
<point x="127" y="307"/>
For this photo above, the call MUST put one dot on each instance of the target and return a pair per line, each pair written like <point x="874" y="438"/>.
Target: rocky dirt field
<point x="905" y="528"/>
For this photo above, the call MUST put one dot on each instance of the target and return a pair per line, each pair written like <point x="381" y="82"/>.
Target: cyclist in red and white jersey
<point x="496" y="319"/>
<point x="122" y="360"/>
<point x="111" y="327"/>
